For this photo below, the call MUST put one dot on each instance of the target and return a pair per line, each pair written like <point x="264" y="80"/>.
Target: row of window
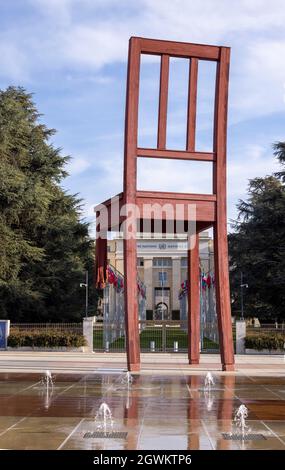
<point x="162" y="262"/>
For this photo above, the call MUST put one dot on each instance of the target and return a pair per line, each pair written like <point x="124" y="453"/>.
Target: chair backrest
<point x="193" y="52"/>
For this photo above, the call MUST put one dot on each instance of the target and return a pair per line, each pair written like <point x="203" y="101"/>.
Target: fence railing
<point x="155" y="336"/>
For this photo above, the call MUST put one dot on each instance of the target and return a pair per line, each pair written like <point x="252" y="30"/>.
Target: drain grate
<point x="105" y="435"/>
<point x="241" y="437"/>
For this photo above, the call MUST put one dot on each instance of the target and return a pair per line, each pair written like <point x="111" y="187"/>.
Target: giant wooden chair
<point x="210" y="209"/>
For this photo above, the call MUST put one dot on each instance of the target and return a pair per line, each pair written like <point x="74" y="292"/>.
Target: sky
<point x="72" y="55"/>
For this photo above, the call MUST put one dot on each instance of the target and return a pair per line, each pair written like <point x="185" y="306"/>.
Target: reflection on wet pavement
<point x="153" y="412"/>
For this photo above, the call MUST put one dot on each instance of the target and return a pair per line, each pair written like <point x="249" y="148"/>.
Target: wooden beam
<point x="163" y="98"/>
<point x="153" y="208"/>
<point x="179" y="49"/>
<point x="192" y="104"/>
<point x="130" y="245"/>
<point x="176" y="196"/>
<point x="176" y="154"/>
<point x="193" y="301"/>
<point x="220" y="227"/>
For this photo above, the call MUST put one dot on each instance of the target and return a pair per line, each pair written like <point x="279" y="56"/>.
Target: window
<point x="140" y="262"/>
<point x="162" y="292"/>
<point x="162" y="262"/>
<point x="183" y="262"/>
<point x="162" y="276"/>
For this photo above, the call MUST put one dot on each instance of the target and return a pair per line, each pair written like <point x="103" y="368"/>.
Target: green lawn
<point x="149" y="334"/>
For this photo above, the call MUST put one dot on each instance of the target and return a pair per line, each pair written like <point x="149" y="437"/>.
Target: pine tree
<point x="257" y="247"/>
<point x="45" y="247"/>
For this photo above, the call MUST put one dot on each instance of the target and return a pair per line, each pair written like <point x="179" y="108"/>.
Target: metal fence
<point x="163" y="336"/>
<point x="70" y="327"/>
<point x="107" y="337"/>
<point x="155" y="336"/>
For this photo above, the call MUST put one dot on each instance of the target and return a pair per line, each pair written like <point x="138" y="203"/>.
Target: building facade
<point x="162" y="266"/>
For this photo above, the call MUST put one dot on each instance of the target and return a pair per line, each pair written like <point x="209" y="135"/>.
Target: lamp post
<point x="241" y="293"/>
<point x="85" y="284"/>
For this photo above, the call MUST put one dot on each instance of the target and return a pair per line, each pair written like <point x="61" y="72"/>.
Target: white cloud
<point x="77" y="165"/>
<point x="81" y="37"/>
<point x="174" y="176"/>
<point x="14" y="64"/>
<point x="258" y="89"/>
<point x="55" y="10"/>
<point x="99" y="36"/>
<point x="94" y="46"/>
<point x="252" y="161"/>
<point x="211" y="21"/>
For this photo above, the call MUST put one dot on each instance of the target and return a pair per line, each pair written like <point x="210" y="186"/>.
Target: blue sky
<point x="72" y="55"/>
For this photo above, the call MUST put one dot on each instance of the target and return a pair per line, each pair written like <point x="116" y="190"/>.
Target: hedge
<point x="46" y="338"/>
<point x="265" y="341"/>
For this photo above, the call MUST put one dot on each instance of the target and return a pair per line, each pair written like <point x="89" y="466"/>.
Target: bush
<point x="265" y="341"/>
<point x="46" y="338"/>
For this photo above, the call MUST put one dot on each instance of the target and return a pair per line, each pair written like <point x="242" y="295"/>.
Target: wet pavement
<point x="154" y="412"/>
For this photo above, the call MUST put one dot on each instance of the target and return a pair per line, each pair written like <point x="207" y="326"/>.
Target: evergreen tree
<point x="45" y="247"/>
<point x="257" y="247"/>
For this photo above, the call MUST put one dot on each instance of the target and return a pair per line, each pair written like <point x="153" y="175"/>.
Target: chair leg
<point x="193" y="302"/>
<point x="131" y="305"/>
<point x="223" y="298"/>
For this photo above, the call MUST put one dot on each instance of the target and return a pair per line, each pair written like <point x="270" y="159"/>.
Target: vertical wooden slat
<point x="193" y="303"/>
<point x="163" y="98"/>
<point x="192" y="105"/>
<point x="130" y="183"/>
<point x="220" y="226"/>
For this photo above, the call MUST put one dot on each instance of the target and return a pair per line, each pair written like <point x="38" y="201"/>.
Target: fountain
<point x="47" y="379"/>
<point x="104" y="425"/>
<point x="209" y="399"/>
<point x="209" y="382"/>
<point x="208" y="386"/>
<point x="127" y="379"/>
<point x="104" y="419"/>
<point x="48" y="393"/>
<point x="240" y="419"/>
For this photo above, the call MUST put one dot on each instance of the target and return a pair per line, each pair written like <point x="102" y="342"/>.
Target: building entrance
<point x="161" y="311"/>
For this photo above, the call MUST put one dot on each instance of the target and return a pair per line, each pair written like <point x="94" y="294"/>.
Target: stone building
<point x="162" y="266"/>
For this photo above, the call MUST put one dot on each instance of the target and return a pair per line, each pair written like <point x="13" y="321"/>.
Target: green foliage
<point x="47" y="338"/>
<point x="257" y="247"/>
<point x="269" y="341"/>
<point x="45" y="247"/>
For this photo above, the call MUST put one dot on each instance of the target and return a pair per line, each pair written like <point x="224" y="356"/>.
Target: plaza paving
<point x="165" y="407"/>
<point x="175" y="363"/>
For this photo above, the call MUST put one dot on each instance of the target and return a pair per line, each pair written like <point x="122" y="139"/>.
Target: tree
<point x="257" y="247"/>
<point x="45" y="247"/>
